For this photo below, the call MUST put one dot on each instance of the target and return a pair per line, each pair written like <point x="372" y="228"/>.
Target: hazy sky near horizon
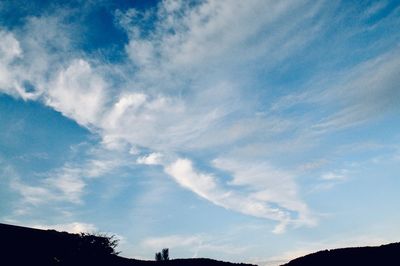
<point x="246" y="131"/>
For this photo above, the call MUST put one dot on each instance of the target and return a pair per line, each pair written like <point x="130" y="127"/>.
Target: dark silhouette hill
<point x="385" y="255"/>
<point x="27" y="246"/>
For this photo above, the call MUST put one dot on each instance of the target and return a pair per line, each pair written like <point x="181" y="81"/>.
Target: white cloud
<point x="64" y="185"/>
<point x="268" y="184"/>
<point x="374" y="8"/>
<point x="35" y="52"/>
<point x="131" y="101"/>
<point x="156" y="122"/>
<point x="32" y="194"/>
<point x="154" y="158"/>
<point x="331" y="176"/>
<point x="365" y="93"/>
<point x="316" y="164"/>
<point x="77" y="89"/>
<point x="10" y="50"/>
<point x="9" y="47"/>
<point x="74" y="227"/>
<point x="98" y="167"/>
<point x="67" y="183"/>
<point x="256" y="204"/>
<point x="78" y="92"/>
<point x="190" y="40"/>
<point x="202" y="184"/>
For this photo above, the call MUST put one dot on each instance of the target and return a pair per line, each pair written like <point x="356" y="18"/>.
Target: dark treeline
<point x="27" y="246"/>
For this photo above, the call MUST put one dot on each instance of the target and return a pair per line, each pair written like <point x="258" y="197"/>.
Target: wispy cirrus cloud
<point x="189" y="83"/>
<point x="280" y="191"/>
<point x="66" y="183"/>
<point x="368" y="92"/>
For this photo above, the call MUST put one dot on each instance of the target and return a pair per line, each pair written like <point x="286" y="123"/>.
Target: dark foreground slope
<point x="385" y="255"/>
<point x="28" y="246"/>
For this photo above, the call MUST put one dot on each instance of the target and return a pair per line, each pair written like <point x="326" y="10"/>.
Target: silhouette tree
<point x="97" y="244"/>
<point x="158" y="256"/>
<point x="165" y="254"/>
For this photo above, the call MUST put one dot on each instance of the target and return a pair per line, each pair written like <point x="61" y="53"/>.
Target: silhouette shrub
<point x="158" y="256"/>
<point x="165" y="254"/>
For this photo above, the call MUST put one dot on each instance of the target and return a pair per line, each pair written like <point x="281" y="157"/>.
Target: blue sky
<point x="251" y="131"/>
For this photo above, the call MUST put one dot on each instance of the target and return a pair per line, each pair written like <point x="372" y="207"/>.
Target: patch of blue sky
<point x="301" y="110"/>
<point x="35" y="137"/>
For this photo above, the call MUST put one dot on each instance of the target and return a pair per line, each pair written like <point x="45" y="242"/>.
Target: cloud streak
<point x="67" y="183"/>
<point x="280" y="191"/>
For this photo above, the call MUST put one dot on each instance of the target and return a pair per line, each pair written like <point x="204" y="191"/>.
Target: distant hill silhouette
<point x="27" y="246"/>
<point x="385" y="255"/>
